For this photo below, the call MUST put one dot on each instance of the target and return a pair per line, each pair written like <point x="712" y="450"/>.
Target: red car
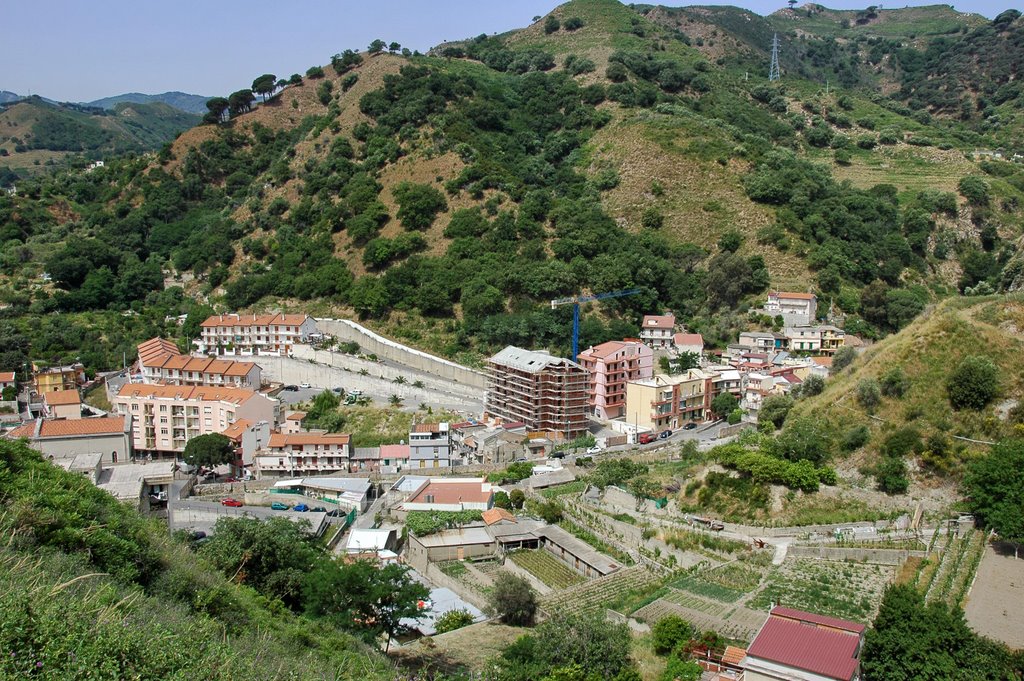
<point x="232" y="502"/>
<point x="646" y="438"/>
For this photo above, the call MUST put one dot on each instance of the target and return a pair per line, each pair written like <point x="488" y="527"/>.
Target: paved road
<point x="203" y="515"/>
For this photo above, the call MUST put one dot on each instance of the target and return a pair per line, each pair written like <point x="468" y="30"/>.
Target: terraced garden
<point x="615" y="591"/>
<point x="548" y="569"/>
<point x="950" y="575"/>
<point x="841" y="589"/>
<point x="733" y="621"/>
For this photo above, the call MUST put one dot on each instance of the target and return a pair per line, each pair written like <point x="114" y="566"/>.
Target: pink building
<point x="611" y="366"/>
<point x="160" y="362"/>
<point x="166" y="417"/>
<point x="271" y="334"/>
<point x="304" y="454"/>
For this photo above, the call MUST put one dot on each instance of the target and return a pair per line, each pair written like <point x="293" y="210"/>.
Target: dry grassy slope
<point x="701" y="199"/>
<point x="927" y="350"/>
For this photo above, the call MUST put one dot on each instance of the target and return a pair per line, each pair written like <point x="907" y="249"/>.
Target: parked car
<point x="231" y="502"/>
<point x="337" y="390"/>
<point x="560" y="454"/>
<point x="646" y="438"/>
<point x="690" y="426"/>
<point x="279" y="506"/>
<point x="335" y="513"/>
<point x="290" y="388"/>
<point x="301" y="508"/>
<point x="318" y="509"/>
<point x="664" y="434"/>
<point x="305" y="385"/>
<point x="594" y="450"/>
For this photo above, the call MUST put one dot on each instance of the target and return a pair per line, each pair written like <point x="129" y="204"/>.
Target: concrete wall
<point x="370" y="342"/>
<point x="879" y="556"/>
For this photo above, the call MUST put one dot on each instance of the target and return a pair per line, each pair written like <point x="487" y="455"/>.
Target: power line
<point x="773" y="73"/>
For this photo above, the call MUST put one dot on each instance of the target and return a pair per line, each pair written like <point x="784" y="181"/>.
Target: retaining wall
<point x="878" y="556"/>
<point x="370" y="342"/>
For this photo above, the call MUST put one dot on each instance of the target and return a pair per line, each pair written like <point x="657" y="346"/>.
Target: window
<point x="163" y="407"/>
<point x="207" y="422"/>
<point x="135" y="407"/>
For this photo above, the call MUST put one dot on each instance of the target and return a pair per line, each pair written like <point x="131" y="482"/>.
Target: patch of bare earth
<point x="466" y="649"/>
<point x="994" y="601"/>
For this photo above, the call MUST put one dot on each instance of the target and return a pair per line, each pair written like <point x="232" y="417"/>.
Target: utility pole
<point x="773" y="70"/>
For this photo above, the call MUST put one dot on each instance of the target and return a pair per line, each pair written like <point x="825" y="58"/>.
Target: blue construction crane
<point x="575" y="302"/>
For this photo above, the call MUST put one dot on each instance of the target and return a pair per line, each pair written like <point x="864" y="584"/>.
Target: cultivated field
<point x="847" y="590"/>
<point x="548" y="569"/>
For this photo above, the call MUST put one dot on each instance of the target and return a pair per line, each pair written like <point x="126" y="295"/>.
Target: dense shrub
<point x="973" y="383"/>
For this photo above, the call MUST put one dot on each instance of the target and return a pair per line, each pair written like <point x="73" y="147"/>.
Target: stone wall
<point x="878" y="556"/>
<point x="370" y="342"/>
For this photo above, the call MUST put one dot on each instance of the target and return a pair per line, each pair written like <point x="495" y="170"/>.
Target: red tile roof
<point x="426" y="428"/>
<point x="733" y="655"/>
<point x="183" y="392"/>
<point x="7" y="377"/>
<point x="278" y="440"/>
<point x="496" y="515"/>
<point x="688" y="339"/>
<point x="814" y="643"/>
<point x="62" y="397"/>
<point x="394" y="451"/>
<point x="795" y="296"/>
<point x="232" y="320"/>
<point x="451" y="493"/>
<point x="604" y="349"/>
<point x="295" y="416"/>
<point x="237" y="429"/>
<point x="656" y="321"/>
<point x="95" y="426"/>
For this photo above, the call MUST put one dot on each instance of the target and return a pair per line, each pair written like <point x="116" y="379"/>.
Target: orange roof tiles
<point x="183" y="392"/>
<point x="656" y="321"/>
<point x="236" y="429"/>
<point x="426" y="428"/>
<point x="7" y="377"/>
<point x="295" y="416"/>
<point x="394" y="451"/>
<point x="278" y="440"/>
<point x="496" y="515"/>
<point x="688" y="339"/>
<point x="450" y="493"/>
<point x="96" y="426"/>
<point x="733" y="655"/>
<point x="233" y="320"/>
<point x="795" y="296"/>
<point x="604" y="349"/>
<point x="62" y="397"/>
<point x="154" y="350"/>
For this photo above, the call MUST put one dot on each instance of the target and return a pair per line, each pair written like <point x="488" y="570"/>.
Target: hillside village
<point x="639" y="343"/>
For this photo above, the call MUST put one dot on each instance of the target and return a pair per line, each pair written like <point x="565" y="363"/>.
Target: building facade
<point x="668" y="402"/>
<point x="166" y="417"/>
<point x="62" y="404"/>
<point x="430" y="446"/>
<point x="49" y="379"/>
<point x="657" y="331"/>
<point x="304" y="454"/>
<point x="161" y="363"/>
<point x="794" y="308"/>
<point x="611" y="366"/>
<point x="254" y="335"/>
<point x="543" y="392"/>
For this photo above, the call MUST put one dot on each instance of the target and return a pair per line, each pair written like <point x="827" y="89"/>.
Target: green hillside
<point x="193" y="104"/>
<point x="90" y="589"/>
<point x="35" y="133"/>
<point x="446" y="198"/>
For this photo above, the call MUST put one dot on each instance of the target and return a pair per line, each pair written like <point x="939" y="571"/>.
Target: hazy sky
<point x="72" y="50"/>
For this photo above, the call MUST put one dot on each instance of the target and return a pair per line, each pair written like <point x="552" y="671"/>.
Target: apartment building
<point x="611" y="366"/>
<point x="761" y="341"/>
<point x="657" y="331"/>
<point x="49" y="379"/>
<point x="253" y="335"/>
<point x="248" y="438"/>
<point x="160" y="362"/>
<point x="62" y="404"/>
<point x="299" y="454"/>
<point x="794" y="308"/>
<point x="166" y="417"/>
<point x="430" y="446"/>
<point x="668" y="402"/>
<point x="541" y="391"/>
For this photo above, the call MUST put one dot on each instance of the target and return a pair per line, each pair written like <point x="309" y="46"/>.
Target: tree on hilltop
<point x="394" y="47"/>
<point x="216" y="107"/>
<point x="265" y="85"/>
<point x="240" y="102"/>
<point x="377" y="46"/>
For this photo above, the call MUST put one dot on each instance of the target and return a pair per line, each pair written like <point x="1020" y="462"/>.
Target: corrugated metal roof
<point x="826" y="649"/>
<point x="529" y="360"/>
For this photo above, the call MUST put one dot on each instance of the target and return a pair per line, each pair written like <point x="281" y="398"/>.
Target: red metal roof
<point x="814" y="643"/>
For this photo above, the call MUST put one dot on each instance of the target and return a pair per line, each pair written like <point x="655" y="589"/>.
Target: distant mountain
<point x="194" y="104"/>
<point x="8" y="96"/>
<point x="38" y="133"/>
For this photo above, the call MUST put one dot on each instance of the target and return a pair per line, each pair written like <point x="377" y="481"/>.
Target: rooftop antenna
<point x="773" y="71"/>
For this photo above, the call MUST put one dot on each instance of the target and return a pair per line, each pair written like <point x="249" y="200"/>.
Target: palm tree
<point x="395" y="400"/>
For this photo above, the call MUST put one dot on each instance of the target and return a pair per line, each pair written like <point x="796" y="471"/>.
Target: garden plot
<point x="612" y="591"/>
<point x="728" y="583"/>
<point x="548" y="569"/>
<point x="841" y="589"/>
<point x="951" y="579"/>
<point x="471" y="579"/>
<point x="732" y="621"/>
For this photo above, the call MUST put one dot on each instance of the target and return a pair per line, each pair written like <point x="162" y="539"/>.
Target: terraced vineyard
<point x="847" y="590"/>
<point x="734" y="621"/>
<point x="603" y="592"/>
<point x="951" y="577"/>
<point x="728" y="583"/>
<point x="548" y="569"/>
